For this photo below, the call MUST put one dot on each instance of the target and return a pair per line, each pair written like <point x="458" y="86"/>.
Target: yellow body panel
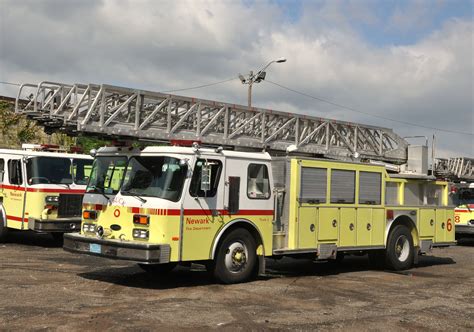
<point x="440" y="229"/>
<point x="364" y="226"/>
<point x="328" y="225"/>
<point x="348" y="227"/>
<point x="378" y="227"/>
<point x="369" y="222"/>
<point x="426" y="223"/>
<point x="294" y="205"/>
<point x="199" y="232"/>
<point x="307" y="221"/>
<point x="13" y="201"/>
<point x="463" y="214"/>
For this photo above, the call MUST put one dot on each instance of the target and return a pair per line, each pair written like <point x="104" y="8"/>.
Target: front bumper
<point x="464" y="229"/>
<point x="132" y="251"/>
<point x="62" y="225"/>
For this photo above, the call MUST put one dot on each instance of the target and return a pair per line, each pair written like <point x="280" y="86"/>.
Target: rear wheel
<point x="236" y="258"/>
<point x="400" y="250"/>
<point x="158" y="268"/>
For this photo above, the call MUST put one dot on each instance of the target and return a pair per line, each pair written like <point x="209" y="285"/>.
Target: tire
<point x="3" y="230"/>
<point x="58" y="237"/>
<point x="400" y="250"/>
<point x="236" y="259"/>
<point x="158" y="268"/>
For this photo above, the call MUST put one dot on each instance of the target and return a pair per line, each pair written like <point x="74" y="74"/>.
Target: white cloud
<point x="174" y="44"/>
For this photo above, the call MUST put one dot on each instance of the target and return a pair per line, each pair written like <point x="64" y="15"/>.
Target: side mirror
<point x="206" y="177"/>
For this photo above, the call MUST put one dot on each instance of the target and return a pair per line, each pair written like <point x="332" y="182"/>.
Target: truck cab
<point x="42" y="190"/>
<point x="462" y="196"/>
<point x="180" y="204"/>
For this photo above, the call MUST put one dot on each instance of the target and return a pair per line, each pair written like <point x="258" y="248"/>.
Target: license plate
<point x="95" y="248"/>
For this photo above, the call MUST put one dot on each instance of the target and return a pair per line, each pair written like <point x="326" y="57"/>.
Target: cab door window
<point x="2" y="170"/>
<point x="258" y="183"/>
<point x="195" y="187"/>
<point x="14" y="172"/>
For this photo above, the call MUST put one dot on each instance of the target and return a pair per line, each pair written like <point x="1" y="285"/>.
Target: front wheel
<point x="236" y="258"/>
<point x="58" y="238"/>
<point x="400" y="250"/>
<point x="3" y="230"/>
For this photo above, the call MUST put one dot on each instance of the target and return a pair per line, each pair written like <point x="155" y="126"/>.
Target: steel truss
<point x="107" y="110"/>
<point x="461" y="169"/>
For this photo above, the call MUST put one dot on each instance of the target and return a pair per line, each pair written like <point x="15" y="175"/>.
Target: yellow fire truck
<point x="463" y="199"/>
<point x="231" y="209"/>
<point x="242" y="184"/>
<point x="41" y="190"/>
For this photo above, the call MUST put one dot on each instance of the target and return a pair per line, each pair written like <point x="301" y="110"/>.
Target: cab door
<point x="14" y="194"/>
<point x="203" y="210"/>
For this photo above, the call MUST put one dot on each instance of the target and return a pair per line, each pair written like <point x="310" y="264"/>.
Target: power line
<point x="202" y="86"/>
<point x="9" y="83"/>
<point x="366" y="113"/>
<point x="176" y="90"/>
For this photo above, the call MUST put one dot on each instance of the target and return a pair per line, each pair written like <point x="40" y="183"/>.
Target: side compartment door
<point x="14" y="195"/>
<point x="312" y="192"/>
<point x="427" y="223"/>
<point x="328" y="224"/>
<point x="203" y="209"/>
<point x="307" y="221"/>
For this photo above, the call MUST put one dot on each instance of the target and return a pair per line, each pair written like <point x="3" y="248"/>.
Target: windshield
<point x="464" y="196"/>
<point x="81" y="170"/>
<point x="106" y="175"/>
<point x="49" y="170"/>
<point x="161" y="177"/>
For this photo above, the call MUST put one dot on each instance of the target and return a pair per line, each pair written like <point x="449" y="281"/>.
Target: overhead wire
<point x="9" y="83"/>
<point x="202" y="86"/>
<point x="367" y="113"/>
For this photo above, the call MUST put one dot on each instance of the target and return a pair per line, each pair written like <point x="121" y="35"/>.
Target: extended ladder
<point x="107" y="110"/>
<point x="455" y="169"/>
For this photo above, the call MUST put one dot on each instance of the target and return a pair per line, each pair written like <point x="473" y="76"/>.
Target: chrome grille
<point x="70" y="205"/>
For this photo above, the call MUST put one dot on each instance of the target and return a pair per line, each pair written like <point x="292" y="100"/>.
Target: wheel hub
<point x="236" y="257"/>
<point x="402" y="248"/>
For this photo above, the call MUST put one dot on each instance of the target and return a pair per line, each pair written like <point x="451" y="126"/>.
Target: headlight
<point x="140" y="233"/>
<point x="51" y="200"/>
<point x="90" y="228"/>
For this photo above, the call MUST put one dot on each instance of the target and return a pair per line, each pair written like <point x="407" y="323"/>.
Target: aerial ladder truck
<point x="460" y="172"/>
<point x="235" y="185"/>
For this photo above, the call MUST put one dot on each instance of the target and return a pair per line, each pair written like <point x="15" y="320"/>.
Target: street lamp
<point x="257" y="78"/>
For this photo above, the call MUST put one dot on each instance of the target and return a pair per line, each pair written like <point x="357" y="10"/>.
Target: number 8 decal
<point x="449" y="225"/>
<point x="457" y="219"/>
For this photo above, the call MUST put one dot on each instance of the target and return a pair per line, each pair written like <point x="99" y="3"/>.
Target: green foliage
<point x="89" y="143"/>
<point x="14" y="128"/>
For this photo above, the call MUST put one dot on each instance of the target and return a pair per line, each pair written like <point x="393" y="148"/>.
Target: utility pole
<point x="256" y="78"/>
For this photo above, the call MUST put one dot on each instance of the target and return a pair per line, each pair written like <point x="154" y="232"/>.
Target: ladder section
<point x="122" y="112"/>
<point x="456" y="169"/>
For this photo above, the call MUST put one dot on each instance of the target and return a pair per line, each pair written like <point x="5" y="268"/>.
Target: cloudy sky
<point x="410" y="61"/>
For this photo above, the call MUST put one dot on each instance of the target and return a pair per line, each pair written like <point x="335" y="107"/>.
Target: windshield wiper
<point x="129" y="193"/>
<point x="99" y="190"/>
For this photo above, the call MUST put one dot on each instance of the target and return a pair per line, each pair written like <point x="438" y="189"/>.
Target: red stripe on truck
<point x="43" y="190"/>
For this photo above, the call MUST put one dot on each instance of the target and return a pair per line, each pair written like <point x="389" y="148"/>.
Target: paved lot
<point x="43" y="287"/>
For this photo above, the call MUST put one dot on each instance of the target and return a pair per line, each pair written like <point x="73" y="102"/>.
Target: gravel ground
<point x="44" y="287"/>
